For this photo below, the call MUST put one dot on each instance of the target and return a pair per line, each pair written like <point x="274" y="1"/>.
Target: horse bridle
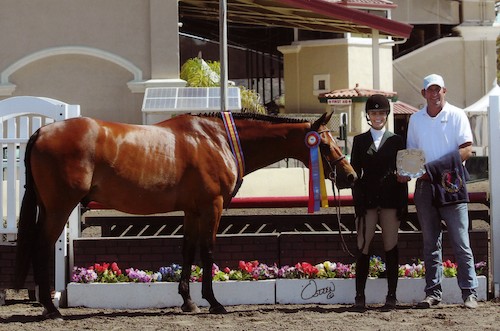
<point x="332" y="164"/>
<point x="333" y="177"/>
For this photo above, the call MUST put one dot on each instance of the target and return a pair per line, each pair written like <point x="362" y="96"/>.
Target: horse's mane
<point x="258" y="117"/>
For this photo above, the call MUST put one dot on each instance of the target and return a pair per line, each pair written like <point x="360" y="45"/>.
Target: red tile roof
<point x="399" y="107"/>
<point x="402" y="108"/>
<point x="356" y="92"/>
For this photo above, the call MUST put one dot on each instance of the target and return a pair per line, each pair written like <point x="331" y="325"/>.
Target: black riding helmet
<point x="377" y="102"/>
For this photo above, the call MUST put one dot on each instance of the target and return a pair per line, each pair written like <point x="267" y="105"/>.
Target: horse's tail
<point x="26" y="235"/>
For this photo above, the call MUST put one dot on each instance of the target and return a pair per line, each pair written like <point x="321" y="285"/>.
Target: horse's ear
<point x="323" y="120"/>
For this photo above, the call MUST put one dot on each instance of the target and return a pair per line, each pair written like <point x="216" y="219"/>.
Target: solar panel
<point x="189" y="99"/>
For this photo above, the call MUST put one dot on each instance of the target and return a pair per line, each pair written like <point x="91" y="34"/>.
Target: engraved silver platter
<point x="410" y="162"/>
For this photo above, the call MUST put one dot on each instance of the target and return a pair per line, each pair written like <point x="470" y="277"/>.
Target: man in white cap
<point x="442" y="131"/>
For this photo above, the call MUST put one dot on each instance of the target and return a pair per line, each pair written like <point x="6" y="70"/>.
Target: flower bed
<point x="106" y="286"/>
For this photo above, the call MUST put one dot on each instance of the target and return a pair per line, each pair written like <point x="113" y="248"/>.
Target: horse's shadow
<point x="78" y="317"/>
<point x="322" y="309"/>
<point x="238" y="311"/>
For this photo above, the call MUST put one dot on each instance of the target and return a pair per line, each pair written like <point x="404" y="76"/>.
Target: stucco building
<point x="103" y="55"/>
<point x="98" y="54"/>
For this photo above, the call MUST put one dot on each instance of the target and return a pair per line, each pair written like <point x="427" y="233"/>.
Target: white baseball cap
<point x="433" y="80"/>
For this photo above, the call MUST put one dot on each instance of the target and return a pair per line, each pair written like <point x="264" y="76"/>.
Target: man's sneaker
<point x="428" y="302"/>
<point x="470" y="302"/>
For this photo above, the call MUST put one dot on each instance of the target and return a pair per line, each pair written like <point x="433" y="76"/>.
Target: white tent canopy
<point x="481" y="105"/>
<point x="478" y="117"/>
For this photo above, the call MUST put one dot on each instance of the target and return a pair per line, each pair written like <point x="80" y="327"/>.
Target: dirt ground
<point x="21" y="313"/>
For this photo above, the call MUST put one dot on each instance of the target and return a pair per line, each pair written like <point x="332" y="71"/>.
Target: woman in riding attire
<point x="380" y="196"/>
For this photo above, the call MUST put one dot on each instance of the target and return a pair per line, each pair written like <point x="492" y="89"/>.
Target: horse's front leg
<point x="208" y="232"/>
<point x="188" y="251"/>
<point x="207" y="290"/>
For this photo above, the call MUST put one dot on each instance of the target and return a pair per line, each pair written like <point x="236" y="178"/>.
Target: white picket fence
<point x="20" y="117"/>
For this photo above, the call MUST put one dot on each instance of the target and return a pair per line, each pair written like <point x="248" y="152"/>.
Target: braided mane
<point x="258" y="117"/>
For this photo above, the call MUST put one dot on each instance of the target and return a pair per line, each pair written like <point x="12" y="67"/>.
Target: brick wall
<point x="151" y="253"/>
<point x="8" y="259"/>
<point x="282" y="249"/>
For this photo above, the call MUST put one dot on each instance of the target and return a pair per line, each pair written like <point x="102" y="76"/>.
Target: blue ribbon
<point x="312" y="141"/>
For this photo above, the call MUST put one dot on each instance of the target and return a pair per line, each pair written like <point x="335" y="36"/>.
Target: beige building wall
<point x="343" y="63"/>
<point x="361" y="67"/>
<point x="468" y="66"/>
<point x="478" y="10"/>
<point x="98" y="54"/>
<point x="467" y="62"/>
<point x="427" y="11"/>
<point x="100" y="87"/>
<point x="410" y="70"/>
<point x="103" y="54"/>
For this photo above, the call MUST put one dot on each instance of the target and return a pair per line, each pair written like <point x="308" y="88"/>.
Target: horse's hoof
<point x="218" y="310"/>
<point x="54" y="315"/>
<point x="190" y="308"/>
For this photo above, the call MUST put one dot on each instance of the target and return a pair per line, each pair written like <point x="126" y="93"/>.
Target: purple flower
<point x="171" y="273"/>
<point x="139" y="276"/>
<point x="83" y="275"/>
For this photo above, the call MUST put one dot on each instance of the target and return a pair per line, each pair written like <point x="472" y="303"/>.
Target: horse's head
<point x="336" y="168"/>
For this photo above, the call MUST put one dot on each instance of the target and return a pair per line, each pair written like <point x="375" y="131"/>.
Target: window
<point x="321" y="84"/>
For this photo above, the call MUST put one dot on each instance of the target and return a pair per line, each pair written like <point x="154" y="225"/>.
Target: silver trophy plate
<point x="410" y="162"/>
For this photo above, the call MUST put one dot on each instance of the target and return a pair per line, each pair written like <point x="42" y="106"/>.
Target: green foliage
<point x="250" y="101"/>
<point x="200" y="73"/>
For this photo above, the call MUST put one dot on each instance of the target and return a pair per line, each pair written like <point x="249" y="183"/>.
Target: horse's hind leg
<point x="41" y="272"/>
<point x="44" y="249"/>
<point x="188" y="251"/>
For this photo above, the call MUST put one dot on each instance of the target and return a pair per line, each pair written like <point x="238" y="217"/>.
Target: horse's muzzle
<point x="347" y="182"/>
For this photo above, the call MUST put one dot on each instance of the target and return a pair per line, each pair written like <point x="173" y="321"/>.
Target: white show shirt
<point x="440" y="135"/>
<point x="377" y="136"/>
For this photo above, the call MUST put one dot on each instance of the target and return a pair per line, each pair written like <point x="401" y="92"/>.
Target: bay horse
<point x="185" y="164"/>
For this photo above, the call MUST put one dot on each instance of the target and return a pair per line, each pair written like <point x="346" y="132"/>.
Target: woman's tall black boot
<point x="392" y="270"/>
<point x="362" y="268"/>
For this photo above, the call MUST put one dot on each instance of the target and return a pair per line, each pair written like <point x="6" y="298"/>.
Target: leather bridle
<point x="332" y="164"/>
<point x="333" y="177"/>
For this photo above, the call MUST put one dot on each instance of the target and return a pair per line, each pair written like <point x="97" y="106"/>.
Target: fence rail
<point x="125" y="225"/>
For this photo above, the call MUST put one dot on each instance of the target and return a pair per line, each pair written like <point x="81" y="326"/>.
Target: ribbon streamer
<point x="324" y="196"/>
<point x="317" y="188"/>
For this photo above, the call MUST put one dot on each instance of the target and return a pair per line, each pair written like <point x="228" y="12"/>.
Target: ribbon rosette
<point x="317" y="188"/>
